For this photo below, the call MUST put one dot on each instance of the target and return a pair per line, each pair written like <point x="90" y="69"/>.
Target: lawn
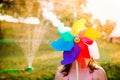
<point x="46" y="61"/>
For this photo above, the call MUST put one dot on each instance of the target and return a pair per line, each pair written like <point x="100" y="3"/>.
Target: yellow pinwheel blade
<point x="78" y="26"/>
<point x="92" y="33"/>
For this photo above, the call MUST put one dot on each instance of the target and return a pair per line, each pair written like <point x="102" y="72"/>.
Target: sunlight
<point x="29" y="20"/>
<point x="104" y="9"/>
<point x="8" y="18"/>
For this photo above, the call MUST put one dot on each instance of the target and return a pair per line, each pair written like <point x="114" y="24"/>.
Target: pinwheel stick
<point x="77" y="78"/>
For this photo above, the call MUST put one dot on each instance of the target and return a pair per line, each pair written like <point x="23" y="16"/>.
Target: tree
<point x="88" y="17"/>
<point x="6" y="6"/>
<point x="69" y="10"/>
<point x="1" y="36"/>
<point x="97" y="24"/>
<point x="19" y="8"/>
<point x="108" y="27"/>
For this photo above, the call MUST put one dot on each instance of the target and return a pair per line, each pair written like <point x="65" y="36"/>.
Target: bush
<point x="112" y="70"/>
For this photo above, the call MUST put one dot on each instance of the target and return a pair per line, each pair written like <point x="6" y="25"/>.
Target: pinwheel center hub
<point x="77" y="40"/>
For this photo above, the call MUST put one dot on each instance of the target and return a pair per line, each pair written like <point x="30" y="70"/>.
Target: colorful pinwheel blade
<point x="81" y="33"/>
<point x="63" y="29"/>
<point x="70" y="56"/>
<point x="78" y="26"/>
<point x="62" y="45"/>
<point x="81" y="60"/>
<point x="92" y="33"/>
<point x="84" y="52"/>
<point x="93" y="49"/>
<point x="67" y="36"/>
<point x="86" y="40"/>
<point x="87" y="60"/>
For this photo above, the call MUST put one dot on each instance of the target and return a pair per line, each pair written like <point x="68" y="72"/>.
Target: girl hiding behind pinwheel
<point x="79" y="51"/>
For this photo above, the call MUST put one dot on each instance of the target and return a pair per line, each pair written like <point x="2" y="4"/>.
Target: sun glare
<point x="104" y="9"/>
<point x="29" y="20"/>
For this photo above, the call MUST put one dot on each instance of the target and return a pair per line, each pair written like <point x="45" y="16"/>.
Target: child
<point x="79" y="48"/>
<point x="91" y="72"/>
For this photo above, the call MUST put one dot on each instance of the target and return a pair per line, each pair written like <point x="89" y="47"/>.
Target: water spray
<point x="30" y="47"/>
<point x="28" y="69"/>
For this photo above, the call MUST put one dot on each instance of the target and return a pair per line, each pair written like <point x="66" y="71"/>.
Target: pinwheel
<point x="77" y="43"/>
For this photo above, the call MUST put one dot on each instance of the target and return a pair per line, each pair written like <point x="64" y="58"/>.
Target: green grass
<point x="110" y="60"/>
<point x="47" y="59"/>
<point x="45" y="63"/>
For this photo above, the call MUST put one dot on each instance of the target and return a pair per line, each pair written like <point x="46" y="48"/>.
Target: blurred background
<point x="28" y="26"/>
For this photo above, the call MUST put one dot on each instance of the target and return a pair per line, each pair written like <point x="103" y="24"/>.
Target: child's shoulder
<point x="100" y="72"/>
<point x="99" y="68"/>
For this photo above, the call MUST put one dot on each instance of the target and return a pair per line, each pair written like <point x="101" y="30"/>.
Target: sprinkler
<point x="28" y="69"/>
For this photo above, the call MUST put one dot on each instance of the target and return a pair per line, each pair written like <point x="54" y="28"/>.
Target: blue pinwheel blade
<point x="62" y="45"/>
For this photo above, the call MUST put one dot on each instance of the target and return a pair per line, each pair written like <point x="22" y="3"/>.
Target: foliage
<point x="112" y="70"/>
<point x="5" y="5"/>
<point x="27" y="8"/>
<point x="1" y="35"/>
<point x="19" y="8"/>
<point x="108" y="27"/>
